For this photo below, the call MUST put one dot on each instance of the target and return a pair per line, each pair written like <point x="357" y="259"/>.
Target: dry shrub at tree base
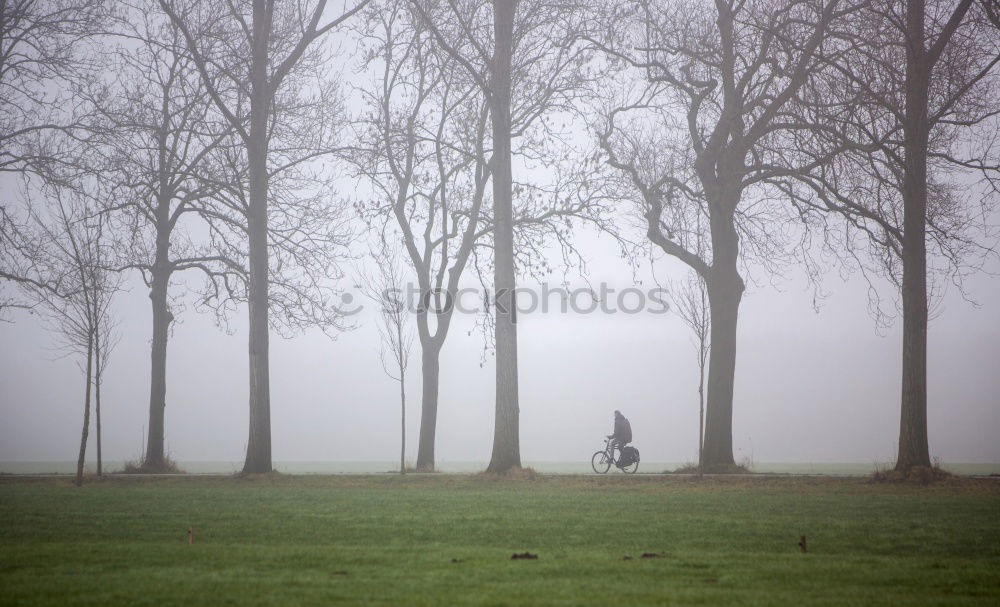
<point x="687" y="468"/>
<point x="517" y="473"/>
<point x="713" y="469"/>
<point x="261" y="476"/>
<point x="168" y="466"/>
<point x="727" y="469"/>
<point x="923" y="475"/>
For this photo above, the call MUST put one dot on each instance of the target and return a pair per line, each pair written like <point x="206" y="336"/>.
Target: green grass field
<point x="442" y="539"/>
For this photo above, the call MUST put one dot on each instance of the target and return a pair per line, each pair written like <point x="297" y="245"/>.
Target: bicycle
<point x="602" y="460"/>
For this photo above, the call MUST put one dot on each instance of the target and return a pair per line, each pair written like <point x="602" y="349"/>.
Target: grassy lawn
<point x="444" y="539"/>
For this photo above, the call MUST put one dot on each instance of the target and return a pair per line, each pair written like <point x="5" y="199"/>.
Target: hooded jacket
<point x="623" y="430"/>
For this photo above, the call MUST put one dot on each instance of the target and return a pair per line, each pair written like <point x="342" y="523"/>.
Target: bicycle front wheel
<point x="600" y="462"/>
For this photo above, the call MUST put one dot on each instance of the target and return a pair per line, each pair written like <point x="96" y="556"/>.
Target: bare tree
<point x="384" y="286"/>
<point x="690" y="299"/>
<point x="506" y="434"/>
<point x="425" y="146"/>
<point x="153" y="132"/>
<point x="696" y="130"/>
<point x="422" y="145"/>
<point x="73" y="251"/>
<point x="248" y="55"/>
<point x="909" y="100"/>
<point x="522" y="58"/>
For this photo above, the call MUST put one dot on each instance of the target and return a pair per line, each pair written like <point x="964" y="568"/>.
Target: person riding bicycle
<point x="623" y="432"/>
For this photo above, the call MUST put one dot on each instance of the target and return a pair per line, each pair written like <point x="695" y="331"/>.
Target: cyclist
<point x="622" y="434"/>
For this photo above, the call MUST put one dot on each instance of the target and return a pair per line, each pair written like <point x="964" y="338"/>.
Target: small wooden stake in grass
<point x="190" y="535"/>
<point x="802" y="543"/>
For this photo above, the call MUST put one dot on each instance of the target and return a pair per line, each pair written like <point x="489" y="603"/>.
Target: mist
<point x="812" y="386"/>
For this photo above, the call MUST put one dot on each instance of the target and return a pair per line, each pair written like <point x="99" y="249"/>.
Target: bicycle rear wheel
<point x="600" y="462"/>
<point x="631" y="468"/>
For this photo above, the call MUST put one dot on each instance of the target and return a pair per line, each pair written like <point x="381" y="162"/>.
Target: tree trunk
<point x="506" y="442"/>
<point x="258" y="458"/>
<point x="725" y="291"/>
<point x="98" y="376"/>
<point x="402" y="419"/>
<point x="701" y="406"/>
<point x="913" y="444"/>
<point x="401" y="352"/>
<point x="86" y="413"/>
<point x="431" y="370"/>
<point x="154" y="459"/>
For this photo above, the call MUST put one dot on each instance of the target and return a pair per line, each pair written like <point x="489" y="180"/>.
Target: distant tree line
<point x="169" y="138"/>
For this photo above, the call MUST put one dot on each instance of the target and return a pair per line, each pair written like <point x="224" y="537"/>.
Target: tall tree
<point x="522" y="57"/>
<point x="423" y="142"/>
<point x="426" y="147"/>
<point x="153" y="133"/>
<point x="909" y="100"/>
<point x="697" y="131"/>
<point x="506" y="434"/>
<point x="247" y="54"/>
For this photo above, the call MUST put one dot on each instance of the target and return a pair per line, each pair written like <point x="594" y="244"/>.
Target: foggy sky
<point x="810" y="387"/>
